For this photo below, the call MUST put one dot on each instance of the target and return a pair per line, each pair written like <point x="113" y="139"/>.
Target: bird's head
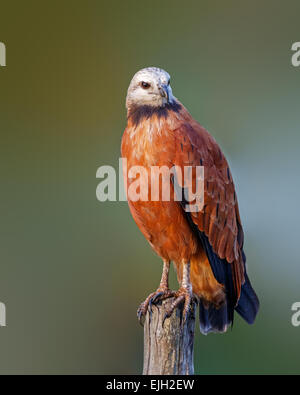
<point x="150" y="87"/>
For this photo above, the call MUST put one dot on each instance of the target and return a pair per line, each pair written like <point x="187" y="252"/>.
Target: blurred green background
<point x="74" y="270"/>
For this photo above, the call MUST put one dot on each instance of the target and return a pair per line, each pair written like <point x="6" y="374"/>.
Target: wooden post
<point x="168" y="348"/>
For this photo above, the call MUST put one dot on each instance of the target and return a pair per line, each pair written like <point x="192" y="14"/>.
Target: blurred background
<point x="73" y="270"/>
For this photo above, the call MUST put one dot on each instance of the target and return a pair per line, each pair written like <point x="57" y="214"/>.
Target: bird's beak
<point x="164" y="91"/>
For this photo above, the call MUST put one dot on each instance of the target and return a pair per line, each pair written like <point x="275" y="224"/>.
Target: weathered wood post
<point x="168" y="348"/>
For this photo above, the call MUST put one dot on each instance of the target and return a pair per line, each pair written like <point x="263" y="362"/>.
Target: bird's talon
<point x="156" y="297"/>
<point x="183" y="295"/>
<point x="150" y="307"/>
<point x="141" y="317"/>
<point x="151" y="300"/>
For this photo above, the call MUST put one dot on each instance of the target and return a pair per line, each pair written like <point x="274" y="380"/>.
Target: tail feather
<point x="248" y="304"/>
<point x="213" y="319"/>
<point x="218" y="320"/>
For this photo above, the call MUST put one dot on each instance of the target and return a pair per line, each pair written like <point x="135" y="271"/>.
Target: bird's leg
<point x="183" y="295"/>
<point x="161" y="293"/>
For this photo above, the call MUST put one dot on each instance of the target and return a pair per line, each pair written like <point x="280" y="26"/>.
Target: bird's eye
<point x="169" y="82"/>
<point x="145" y="85"/>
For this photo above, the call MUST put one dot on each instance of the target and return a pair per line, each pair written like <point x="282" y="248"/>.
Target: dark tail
<point x="248" y="304"/>
<point x="217" y="320"/>
<point x="213" y="319"/>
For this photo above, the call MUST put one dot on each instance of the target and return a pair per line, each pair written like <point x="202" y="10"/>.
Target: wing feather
<point x="219" y="220"/>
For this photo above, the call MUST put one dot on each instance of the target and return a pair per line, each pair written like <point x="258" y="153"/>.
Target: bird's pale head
<point x="149" y="87"/>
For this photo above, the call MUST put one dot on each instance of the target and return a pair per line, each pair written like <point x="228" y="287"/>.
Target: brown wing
<point x="219" y="219"/>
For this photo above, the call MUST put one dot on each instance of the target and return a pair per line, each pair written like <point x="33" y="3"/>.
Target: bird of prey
<point x="206" y="246"/>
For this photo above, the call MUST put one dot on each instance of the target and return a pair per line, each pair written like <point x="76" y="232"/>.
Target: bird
<point x="206" y="247"/>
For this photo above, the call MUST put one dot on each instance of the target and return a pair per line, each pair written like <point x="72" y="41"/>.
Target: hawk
<point x="205" y="246"/>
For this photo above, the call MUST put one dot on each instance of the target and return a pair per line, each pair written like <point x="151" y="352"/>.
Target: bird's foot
<point x="183" y="295"/>
<point x="153" y="298"/>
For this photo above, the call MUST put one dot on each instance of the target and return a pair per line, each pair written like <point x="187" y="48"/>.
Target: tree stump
<point x="169" y="348"/>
